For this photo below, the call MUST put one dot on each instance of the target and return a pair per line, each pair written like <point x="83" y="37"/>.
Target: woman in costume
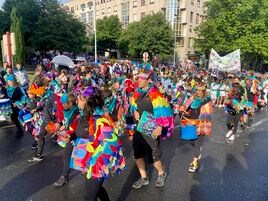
<point x="198" y="110"/>
<point x="68" y="134"/>
<point x="103" y="151"/>
<point x="17" y="99"/>
<point x="149" y="100"/>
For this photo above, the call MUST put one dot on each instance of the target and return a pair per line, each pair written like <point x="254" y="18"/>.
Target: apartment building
<point x="183" y="15"/>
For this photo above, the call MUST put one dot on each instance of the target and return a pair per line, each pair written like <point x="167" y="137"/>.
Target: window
<point x="103" y="12"/>
<point x="72" y="9"/>
<point x="191" y="29"/>
<point x="135" y="4"/>
<point x="180" y="42"/>
<point x="197" y="19"/>
<point x="89" y="4"/>
<point x="125" y="14"/>
<point x="151" y="12"/>
<point x="83" y="17"/>
<point x="90" y="19"/>
<point x="135" y="17"/>
<point x="108" y="10"/>
<point x="83" y="6"/>
<point x="143" y="15"/>
<point x="191" y="17"/>
<point x="115" y="9"/>
<point x="151" y="1"/>
<point x="192" y="2"/>
<point x="142" y="2"/>
<point x="198" y="3"/>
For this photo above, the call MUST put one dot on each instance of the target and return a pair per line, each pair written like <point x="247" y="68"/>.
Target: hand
<point x="67" y="138"/>
<point x="33" y="111"/>
<point x="62" y="128"/>
<point x="57" y="126"/>
<point x="157" y="132"/>
<point x="136" y="115"/>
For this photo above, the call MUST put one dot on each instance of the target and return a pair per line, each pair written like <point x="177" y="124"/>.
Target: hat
<point x="35" y="90"/>
<point x="64" y="99"/>
<point x="88" y="92"/>
<point x="10" y="78"/>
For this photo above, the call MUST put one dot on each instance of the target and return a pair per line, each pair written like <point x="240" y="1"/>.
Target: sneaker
<point x="193" y="166"/>
<point x="141" y="182"/>
<point x="160" y="182"/>
<point x="232" y="137"/>
<point x="230" y="132"/>
<point x="36" y="158"/>
<point x="3" y="118"/>
<point x="34" y="145"/>
<point x="61" y="181"/>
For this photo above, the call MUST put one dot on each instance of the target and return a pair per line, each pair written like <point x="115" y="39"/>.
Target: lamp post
<point x="95" y="33"/>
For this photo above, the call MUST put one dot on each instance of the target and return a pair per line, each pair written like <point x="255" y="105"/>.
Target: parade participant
<point x="37" y="77"/>
<point x="103" y="152"/>
<point x="234" y="108"/>
<point x="35" y="93"/>
<point x="17" y="98"/>
<point x="149" y="99"/>
<point x="251" y="90"/>
<point x="21" y="76"/>
<point x="5" y="106"/>
<point x="9" y="73"/>
<point x="199" y="108"/>
<point x="71" y="116"/>
<point x="48" y="105"/>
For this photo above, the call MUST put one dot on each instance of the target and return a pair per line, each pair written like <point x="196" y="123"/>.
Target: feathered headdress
<point x="35" y="90"/>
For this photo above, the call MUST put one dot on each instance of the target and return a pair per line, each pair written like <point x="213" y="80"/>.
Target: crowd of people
<point x="87" y="109"/>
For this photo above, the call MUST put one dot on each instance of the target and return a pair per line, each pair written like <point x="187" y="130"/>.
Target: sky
<point x="2" y="1"/>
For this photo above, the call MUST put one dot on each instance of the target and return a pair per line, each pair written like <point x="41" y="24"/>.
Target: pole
<point x="95" y="33"/>
<point x="9" y="52"/>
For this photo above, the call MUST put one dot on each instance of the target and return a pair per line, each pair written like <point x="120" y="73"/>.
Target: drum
<point x="5" y="107"/>
<point x="50" y="128"/>
<point x="189" y="129"/>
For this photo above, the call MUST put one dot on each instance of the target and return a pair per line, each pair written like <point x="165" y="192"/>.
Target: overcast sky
<point x="2" y="1"/>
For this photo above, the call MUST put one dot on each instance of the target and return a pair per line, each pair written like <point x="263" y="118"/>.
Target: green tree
<point x="16" y="26"/>
<point x="28" y="10"/>
<point x="235" y="24"/>
<point x="153" y="34"/>
<point x="58" y="30"/>
<point x="108" y="32"/>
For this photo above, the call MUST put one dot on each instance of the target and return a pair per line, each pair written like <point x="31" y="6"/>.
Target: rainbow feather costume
<point x="161" y="109"/>
<point x="103" y="154"/>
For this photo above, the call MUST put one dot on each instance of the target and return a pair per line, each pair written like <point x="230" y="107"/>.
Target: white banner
<point x="230" y="62"/>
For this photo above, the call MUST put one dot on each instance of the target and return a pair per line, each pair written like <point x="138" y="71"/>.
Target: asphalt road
<point x="228" y="172"/>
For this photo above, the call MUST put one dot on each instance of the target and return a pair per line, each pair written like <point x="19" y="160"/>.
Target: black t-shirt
<point x="144" y="103"/>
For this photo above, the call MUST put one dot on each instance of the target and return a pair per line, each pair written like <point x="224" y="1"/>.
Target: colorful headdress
<point x="35" y="90"/>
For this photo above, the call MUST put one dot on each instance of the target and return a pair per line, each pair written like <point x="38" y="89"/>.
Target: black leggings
<point x="94" y="190"/>
<point x="41" y="138"/>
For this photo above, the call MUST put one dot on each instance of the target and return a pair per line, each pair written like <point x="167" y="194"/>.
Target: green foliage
<point x="236" y="24"/>
<point x="152" y="34"/>
<point x="108" y="32"/>
<point x="16" y="28"/>
<point x="58" y="30"/>
<point x="28" y="10"/>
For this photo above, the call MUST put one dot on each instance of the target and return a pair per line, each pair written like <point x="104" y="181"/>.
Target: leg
<point x="41" y="140"/>
<point x="141" y="166"/>
<point x="197" y="153"/>
<point x="94" y="188"/>
<point x="15" y="118"/>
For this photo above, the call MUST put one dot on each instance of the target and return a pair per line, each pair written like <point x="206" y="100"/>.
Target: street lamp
<point x="95" y="33"/>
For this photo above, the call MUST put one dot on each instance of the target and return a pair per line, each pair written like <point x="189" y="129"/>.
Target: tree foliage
<point x="236" y="24"/>
<point x="28" y="10"/>
<point x="58" y="30"/>
<point x="16" y="28"/>
<point x="152" y="34"/>
<point x="108" y="32"/>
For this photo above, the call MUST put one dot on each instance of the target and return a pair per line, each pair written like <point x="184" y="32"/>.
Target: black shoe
<point x="61" y="181"/>
<point x="36" y="158"/>
<point x="141" y="182"/>
<point x="34" y="145"/>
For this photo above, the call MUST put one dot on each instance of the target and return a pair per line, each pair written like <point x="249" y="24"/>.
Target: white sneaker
<point x="232" y="137"/>
<point x="230" y="132"/>
<point x="3" y="118"/>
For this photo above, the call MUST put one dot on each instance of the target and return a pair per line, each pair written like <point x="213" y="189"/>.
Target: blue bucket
<point x="188" y="132"/>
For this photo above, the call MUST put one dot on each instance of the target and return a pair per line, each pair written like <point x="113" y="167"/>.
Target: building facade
<point x="183" y="15"/>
